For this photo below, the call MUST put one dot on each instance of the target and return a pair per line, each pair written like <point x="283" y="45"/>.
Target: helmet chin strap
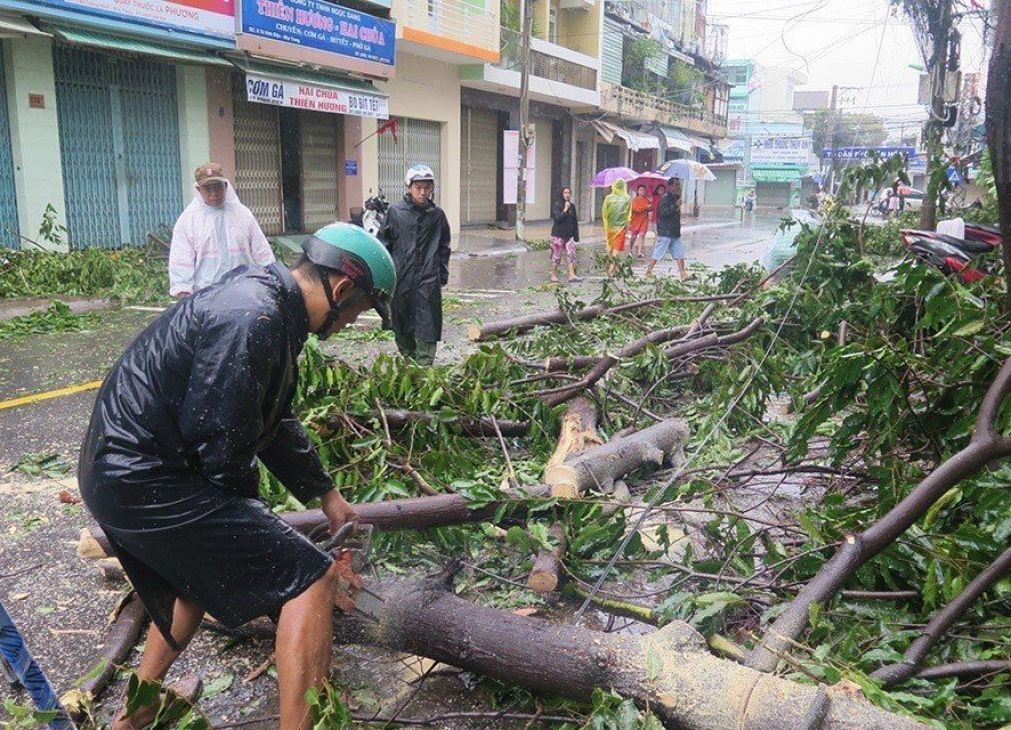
<point x="336" y="308"/>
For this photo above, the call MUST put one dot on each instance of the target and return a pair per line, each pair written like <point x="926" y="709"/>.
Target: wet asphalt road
<point x="43" y="363"/>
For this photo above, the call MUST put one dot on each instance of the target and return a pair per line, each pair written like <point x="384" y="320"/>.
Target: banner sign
<point x="322" y="26"/>
<point x="280" y="92"/>
<point x="859" y="153"/>
<point x="211" y="18"/>
<point x="780" y="150"/>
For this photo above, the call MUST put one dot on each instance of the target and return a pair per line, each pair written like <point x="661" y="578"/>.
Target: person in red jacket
<point x="638" y="224"/>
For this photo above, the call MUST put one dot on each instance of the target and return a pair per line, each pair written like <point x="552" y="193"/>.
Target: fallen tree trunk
<point x="669" y="672"/>
<point x="986" y="446"/>
<point x="479" y="427"/>
<point x="119" y="642"/>
<point x="912" y="659"/>
<point x="527" y="322"/>
<point x="600" y="468"/>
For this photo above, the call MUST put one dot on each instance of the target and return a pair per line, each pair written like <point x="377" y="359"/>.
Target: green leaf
<point x="969" y="329"/>
<point x="218" y="685"/>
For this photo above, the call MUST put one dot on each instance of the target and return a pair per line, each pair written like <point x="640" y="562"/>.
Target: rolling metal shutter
<point x="418" y="141"/>
<point x="119" y="140"/>
<point x="319" y="135"/>
<point x="772" y="194"/>
<point x="722" y="190"/>
<point x="478" y="166"/>
<point x="8" y="200"/>
<point x="613" y="52"/>
<point x="258" y="161"/>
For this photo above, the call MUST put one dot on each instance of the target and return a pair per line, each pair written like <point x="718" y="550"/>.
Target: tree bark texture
<point x="670" y="672"/>
<point x="599" y="468"/>
<point x="986" y="446"/>
<point x="998" y="129"/>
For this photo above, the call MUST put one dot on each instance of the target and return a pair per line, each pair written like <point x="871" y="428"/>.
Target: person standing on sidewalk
<point x="638" y="224"/>
<point x="668" y="230"/>
<point x="417" y="234"/>
<point x="215" y="234"/>
<point x="564" y="235"/>
<point x="615" y="213"/>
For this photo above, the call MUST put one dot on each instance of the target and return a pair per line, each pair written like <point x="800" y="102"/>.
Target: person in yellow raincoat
<point x="615" y="213"/>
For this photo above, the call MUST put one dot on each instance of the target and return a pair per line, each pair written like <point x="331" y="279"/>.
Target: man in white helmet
<point x="417" y="234"/>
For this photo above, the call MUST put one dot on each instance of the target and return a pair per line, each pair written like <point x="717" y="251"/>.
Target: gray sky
<point x="845" y="42"/>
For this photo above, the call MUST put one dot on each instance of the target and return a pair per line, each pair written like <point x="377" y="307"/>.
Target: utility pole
<point x="933" y="130"/>
<point x="833" y="138"/>
<point x="998" y="129"/>
<point x="526" y="138"/>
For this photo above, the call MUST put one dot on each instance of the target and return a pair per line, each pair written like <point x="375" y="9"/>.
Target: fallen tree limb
<point x="944" y="619"/>
<point x="119" y="642"/>
<point x="480" y="427"/>
<point x="598" y="469"/>
<point x="986" y="446"/>
<point x="518" y="325"/>
<point x="682" y="349"/>
<point x="964" y="670"/>
<point x="548" y="571"/>
<point x="670" y="672"/>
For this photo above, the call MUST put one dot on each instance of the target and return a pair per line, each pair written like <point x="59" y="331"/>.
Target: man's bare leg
<point x="158" y="657"/>
<point x="303" y="647"/>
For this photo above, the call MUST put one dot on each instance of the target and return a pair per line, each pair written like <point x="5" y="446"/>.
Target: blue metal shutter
<point x="151" y="146"/>
<point x="8" y="199"/>
<point x="85" y="120"/>
<point x="119" y="138"/>
<point x="614" y="49"/>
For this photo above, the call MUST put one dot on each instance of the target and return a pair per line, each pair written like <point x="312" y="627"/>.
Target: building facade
<point x="106" y="107"/>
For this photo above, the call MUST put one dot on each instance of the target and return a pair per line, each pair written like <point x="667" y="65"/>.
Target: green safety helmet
<point x="352" y="251"/>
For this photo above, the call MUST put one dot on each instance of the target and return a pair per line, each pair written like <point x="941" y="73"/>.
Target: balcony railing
<point x="546" y="66"/>
<point x="628" y="102"/>
<point x="466" y="22"/>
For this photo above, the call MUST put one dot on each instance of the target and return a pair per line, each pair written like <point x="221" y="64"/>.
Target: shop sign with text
<point x="281" y="92"/>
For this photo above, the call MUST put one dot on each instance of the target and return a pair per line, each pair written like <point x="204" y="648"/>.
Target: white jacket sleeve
<point x="258" y="244"/>
<point x="182" y="259"/>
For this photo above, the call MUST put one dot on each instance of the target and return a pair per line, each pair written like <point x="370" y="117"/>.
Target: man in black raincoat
<point x="169" y="466"/>
<point x="417" y="234"/>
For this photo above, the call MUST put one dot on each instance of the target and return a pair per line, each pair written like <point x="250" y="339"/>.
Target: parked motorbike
<point x="374" y="215"/>
<point x="963" y="255"/>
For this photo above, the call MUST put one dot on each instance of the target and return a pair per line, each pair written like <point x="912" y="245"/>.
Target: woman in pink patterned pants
<point x="564" y="235"/>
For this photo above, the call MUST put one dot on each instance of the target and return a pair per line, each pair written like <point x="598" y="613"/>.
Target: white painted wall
<point x="35" y="133"/>
<point x="540" y="208"/>
<point x="194" y="130"/>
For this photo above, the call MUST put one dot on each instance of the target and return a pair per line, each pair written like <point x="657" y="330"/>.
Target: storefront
<point x="8" y="198"/>
<point x="723" y="190"/>
<point x="777" y="187"/>
<point x="290" y="143"/>
<point x="418" y="141"/>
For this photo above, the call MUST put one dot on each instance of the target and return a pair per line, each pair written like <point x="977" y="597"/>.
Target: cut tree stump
<point x="669" y="672"/>
<point x="548" y="570"/>
<point x="599" y="468"/>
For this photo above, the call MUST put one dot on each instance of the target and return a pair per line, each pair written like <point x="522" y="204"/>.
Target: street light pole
<point x="525" y="136"/>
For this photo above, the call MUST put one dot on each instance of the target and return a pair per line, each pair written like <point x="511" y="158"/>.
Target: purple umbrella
<point x="606" y="178"/>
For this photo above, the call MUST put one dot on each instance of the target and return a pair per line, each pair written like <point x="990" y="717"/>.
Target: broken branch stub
<point x="599" y="468"/>
<point x="986" y="446"/>
<point x="670" y="672"/>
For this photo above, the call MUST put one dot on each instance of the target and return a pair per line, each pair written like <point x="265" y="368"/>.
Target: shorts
<point x="668" y="245"/>
<point x="237" y="562"/>
<point x="615" y="240"/>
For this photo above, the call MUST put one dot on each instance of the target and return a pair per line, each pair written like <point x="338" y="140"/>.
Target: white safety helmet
<point x="418" y="172"/>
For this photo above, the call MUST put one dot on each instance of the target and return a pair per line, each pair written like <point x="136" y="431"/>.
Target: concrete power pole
<point x="933" y="131"/>
<point x="526" y="138"/>
<point x="833" y="139"/>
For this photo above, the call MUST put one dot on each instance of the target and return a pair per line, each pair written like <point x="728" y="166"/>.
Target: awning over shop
<point x="702" y="144"/>
<point x="122" y="44"/>
<point x="295" y="87"/>
<point x="635" y="141"/>
<point x="677" y="139"/>
<point x="780" y="175"/>
<point x="13" y="27"/>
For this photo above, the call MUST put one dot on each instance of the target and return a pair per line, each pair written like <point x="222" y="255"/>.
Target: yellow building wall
<point x="579" y="30"/>
<point x="425" y="89"/>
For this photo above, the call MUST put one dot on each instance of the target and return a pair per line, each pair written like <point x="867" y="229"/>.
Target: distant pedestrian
<point x="750" y="200"/>
<point x="417" y="234"/>
<point x="638" y="224"/>
<point x="668" y="230"/>
<point x="215" y="234"/>
<point x="894" y="203"/>
<point x="615" y="213"/>
<point x="658" y="192"/>
<point x="564" y="235"/>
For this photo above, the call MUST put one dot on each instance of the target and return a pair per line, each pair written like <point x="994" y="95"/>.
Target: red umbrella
<point x="649" y="179"/>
